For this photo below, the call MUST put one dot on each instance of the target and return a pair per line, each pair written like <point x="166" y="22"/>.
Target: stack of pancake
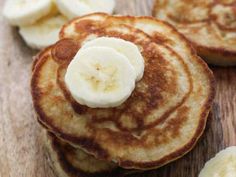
<point x="160" y="122"/>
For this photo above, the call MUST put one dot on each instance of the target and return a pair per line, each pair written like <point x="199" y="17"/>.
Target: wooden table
<point x="21" y="153"/>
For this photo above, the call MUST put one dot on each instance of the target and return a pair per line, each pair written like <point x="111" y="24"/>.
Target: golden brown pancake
<point x="163" y="118"/>
<point x="209" y="24"/>
<point x="68" y="161"/>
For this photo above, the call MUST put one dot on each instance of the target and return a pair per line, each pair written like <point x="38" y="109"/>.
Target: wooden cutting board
<point x="21" y="153"/>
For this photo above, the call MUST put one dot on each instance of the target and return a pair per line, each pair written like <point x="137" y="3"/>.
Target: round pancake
<point x="68" y="161"/>
<point x="163" y="118"/>
<point x="209" y="24"/>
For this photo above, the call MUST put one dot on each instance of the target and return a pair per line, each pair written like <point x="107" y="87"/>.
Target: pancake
<point x="40" y="55"/>
<point x="163" y="118"/>
<point x="209" y="24"/>
<point x="67" y="161"/>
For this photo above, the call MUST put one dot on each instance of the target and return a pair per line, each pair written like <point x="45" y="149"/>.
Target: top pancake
<point x="209" y="24"/>
<point x="163" y="118"/>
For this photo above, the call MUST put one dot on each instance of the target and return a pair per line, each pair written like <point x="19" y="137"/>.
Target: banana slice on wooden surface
<point x="222" y="165"/>
<point x="43" y="33"/>
<point x="72" y="8"/>
<point x="26" y="12"/>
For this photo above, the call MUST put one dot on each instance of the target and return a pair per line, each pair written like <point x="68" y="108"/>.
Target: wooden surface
<point x="21" y="153"/>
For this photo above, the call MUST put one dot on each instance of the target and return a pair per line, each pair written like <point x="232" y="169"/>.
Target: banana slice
<point x="26" y="12"/>
<point x="100" y="77"/>
<point x="126" y="48"/>
<point x="74" y="8"/>
<point x="222" y="165"/>
<point x="43" y="33"/>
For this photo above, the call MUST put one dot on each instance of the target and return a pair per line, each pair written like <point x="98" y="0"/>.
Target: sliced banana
<point x="126" y="48"/>
<point x="74" y="8"/>
<point x="43" y="33"/>
<point x="100" y="77"/>
<point x="26" y="12"/>
<point x="54" y="10"/>
<point x="222" y="165"/>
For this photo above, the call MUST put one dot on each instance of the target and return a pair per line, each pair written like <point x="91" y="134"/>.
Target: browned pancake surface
<point x="162" y="119"/>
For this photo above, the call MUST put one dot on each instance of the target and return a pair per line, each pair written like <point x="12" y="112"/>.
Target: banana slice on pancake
<point x="26" y="12"/>
<point x="126" y="48"/>
<point x="100" y="77"/>
<point x="222" y="165"/>
<point x="72" y="8"/>
<point x="43" y="33"/>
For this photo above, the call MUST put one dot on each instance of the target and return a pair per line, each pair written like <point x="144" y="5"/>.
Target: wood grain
<point x="21" y="153"/>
